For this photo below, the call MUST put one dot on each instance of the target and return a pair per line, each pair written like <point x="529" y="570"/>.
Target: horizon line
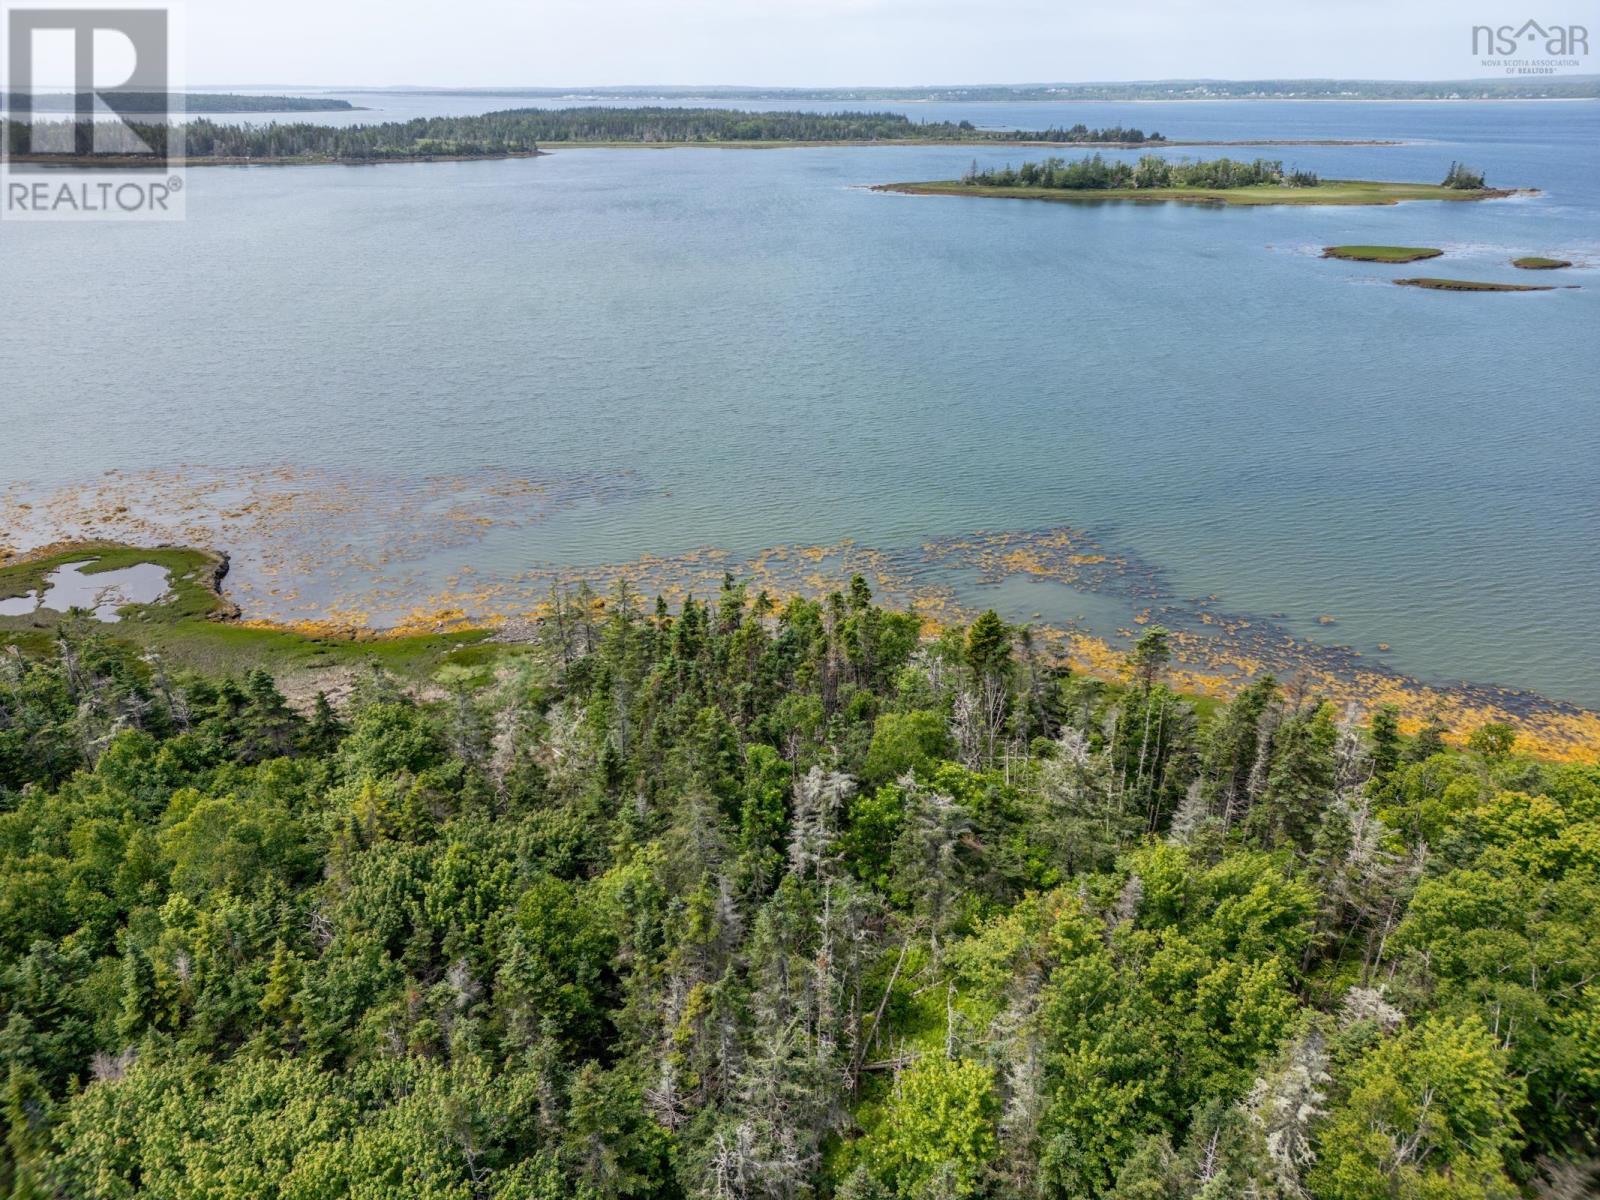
<point x="1531" y="82"/>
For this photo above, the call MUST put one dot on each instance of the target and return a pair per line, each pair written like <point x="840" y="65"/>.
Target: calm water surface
<point x="102" y="593"/>
<point x="781" y="356"/>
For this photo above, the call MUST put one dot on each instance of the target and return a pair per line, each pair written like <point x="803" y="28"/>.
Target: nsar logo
<point x="1530" y="48"/>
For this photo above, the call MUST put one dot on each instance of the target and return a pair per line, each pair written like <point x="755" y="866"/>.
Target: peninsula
<point x="132" y="103"/>
<point x="521" y="132"/>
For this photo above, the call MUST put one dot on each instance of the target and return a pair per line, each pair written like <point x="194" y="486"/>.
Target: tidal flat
<point x="1434" y="284"/>
<point x="206" y="623"/>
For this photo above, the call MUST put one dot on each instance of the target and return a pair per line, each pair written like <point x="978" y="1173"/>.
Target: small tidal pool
<point x="103" y="593"/>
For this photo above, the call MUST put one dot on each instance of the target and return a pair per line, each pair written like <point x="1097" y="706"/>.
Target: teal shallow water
<point x="763" y="352"/>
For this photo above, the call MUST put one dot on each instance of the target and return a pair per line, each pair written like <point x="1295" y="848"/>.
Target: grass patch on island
<point x="1533" y="262"/>
<point x="1381" y="254"/>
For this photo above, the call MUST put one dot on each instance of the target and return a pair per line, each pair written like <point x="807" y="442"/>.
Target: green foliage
<point x="1423" y="1117"/>
<point x="734" y="901"/>
<point x="1504" y="934"/>
<point x="901" y="742"/>
<point x="1096" y="172"/>
<point x="1493" y="740"/>
<point x="1464" y="177"/>
<point x="1193" y="990"/>
<point x="1150" y="655"/>
<point x="936" y="1135"/>
<point x="1300" y="780"/>
<point x="988" y="645"/>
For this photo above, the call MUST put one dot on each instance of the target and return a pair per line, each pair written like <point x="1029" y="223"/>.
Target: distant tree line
<point x="1082" y="133"/>
<point x="1568" y="87"/>
<point x="468" y="137"/>
<point x="521" y="131"/>
<point x="1096" y="172"/>
<point x="164" y="102"/>
<point x="666" y="124"/>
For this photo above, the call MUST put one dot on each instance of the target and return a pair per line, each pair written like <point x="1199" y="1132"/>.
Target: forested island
<point x="1096" y="172"/>
<point x="163" y="102"/>
<point x="206" y="142"/>
<point x="1218" y="181"/>
<point x="520" y="132"/>
<point x="747" y="898"/>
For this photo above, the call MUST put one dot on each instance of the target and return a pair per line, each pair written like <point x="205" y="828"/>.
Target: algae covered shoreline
<point x="1215" y="653"/>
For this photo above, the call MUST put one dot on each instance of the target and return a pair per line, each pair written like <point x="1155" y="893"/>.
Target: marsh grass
<point x="194" y="625"/>
<point x="1381" y="254"/>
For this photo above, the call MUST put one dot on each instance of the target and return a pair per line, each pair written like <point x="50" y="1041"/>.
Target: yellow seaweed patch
<point x="322" y="552"/>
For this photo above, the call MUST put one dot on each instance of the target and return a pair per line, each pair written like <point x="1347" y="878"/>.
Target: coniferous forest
<point x="745" y="900"/>
<point x="1152" y="171"/>
<point x="521" y="131"/>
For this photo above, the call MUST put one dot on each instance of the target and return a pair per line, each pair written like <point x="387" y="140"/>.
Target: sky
<point x="558" y="43"/>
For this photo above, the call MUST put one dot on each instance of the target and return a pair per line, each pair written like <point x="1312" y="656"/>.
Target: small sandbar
<point x="1533" y="262"/>
<point x="1471" y="285"/>
<point x="77" y="585"/>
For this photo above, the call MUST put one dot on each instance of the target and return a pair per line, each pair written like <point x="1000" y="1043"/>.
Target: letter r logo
<point x="101" y="56"/>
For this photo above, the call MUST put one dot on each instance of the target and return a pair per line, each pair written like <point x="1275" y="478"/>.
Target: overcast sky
<point x="840" y="42"/>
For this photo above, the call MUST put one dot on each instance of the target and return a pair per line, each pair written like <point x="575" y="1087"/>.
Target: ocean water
<point x="749" y="348"/>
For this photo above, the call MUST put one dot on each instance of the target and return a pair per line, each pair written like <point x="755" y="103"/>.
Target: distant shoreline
<point x="114" y="163"/>
<point x="1338" y="100"/>
<point x="1576" y="86"/>
<point x="134" y="105"/>
<point x="131" y="163"/>
<point x="1096" y="100"/>
<point x="1163" y="144"/>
